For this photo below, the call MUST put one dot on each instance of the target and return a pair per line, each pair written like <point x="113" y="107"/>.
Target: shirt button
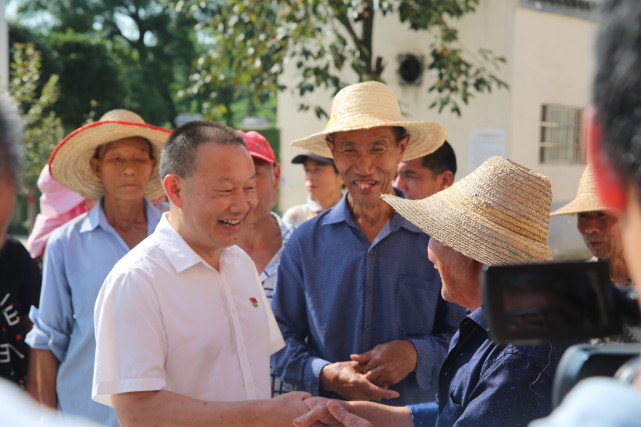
<point x="371" y="252"/>
<point x="370" y="290"/>
<point x="368" y="329"/>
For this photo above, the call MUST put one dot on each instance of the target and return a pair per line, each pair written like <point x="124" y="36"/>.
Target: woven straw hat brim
<point x="508" y="230"/>
<point x="425" y="137"/>
<point x="586" y="199"/>
<point x="70" y="162"/>
<point x="368" y="105"/>
<point x="578" y="205"/>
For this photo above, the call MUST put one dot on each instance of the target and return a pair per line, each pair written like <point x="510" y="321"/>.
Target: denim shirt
<point x="78" y="257"/>
<point x="338" y="294"/>
<point x="485" y="384"/>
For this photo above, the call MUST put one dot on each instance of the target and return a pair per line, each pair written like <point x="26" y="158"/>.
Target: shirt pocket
<point x="416" y="301"/>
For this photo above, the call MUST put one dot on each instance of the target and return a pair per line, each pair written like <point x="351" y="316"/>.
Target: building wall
<point x="549" y="60"/>
<point x="553" y="64"/>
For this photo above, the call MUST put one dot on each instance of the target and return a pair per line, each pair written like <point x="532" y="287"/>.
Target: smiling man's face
<point x="217" y="197"/>
<point x="367" y="161"/>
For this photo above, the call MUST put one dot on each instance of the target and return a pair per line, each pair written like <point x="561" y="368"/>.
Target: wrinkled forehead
<point x="598" y="213"/>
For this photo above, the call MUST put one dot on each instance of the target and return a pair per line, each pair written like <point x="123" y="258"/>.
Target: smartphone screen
<point x="533" y="303"/>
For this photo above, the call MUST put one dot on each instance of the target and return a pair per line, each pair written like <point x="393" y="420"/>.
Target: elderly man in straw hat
<point x="115" y="161"/>
<point x="496" y="215"/>
<point x="598" y="227"/>
<point x="359" y="307"/>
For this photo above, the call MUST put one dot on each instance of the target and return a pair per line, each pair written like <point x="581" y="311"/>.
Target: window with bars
<point x="560" y="141"/>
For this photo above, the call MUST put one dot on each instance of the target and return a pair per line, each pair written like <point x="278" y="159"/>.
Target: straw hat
<point x="498" y="214"/>
<point x="70" y="162"/>
<point x="586" y="199"/>
<point x="368" y="105"/>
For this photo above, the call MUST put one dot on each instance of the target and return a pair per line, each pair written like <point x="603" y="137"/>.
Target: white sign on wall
<point x="485" y="143"/>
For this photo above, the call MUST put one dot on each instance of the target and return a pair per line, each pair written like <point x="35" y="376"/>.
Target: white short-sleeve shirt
<point x="167" y="320"/>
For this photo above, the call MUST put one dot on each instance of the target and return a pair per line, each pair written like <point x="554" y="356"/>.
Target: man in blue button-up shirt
<point x="357" y="302"/>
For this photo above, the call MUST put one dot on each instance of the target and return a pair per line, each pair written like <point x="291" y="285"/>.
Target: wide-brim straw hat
<point x="498" y="214"/>
<point x="586" y="199"/>
<point x="70" y="162"/>
<point x="368" y="105"/>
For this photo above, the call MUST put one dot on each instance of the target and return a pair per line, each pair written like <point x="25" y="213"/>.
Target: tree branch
<point x="363" y="48"/>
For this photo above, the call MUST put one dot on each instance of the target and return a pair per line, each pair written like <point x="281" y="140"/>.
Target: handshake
<point x="328" y="412"/>
<point x="366" y="377"/>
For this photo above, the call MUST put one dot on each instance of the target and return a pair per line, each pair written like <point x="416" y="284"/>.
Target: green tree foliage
<point x="243" y="59"/>
<point x="251" y="40"/>
<point x="154" y="45"/>
<point x="89" y="74"/>
<point x="91" y="79"/>
<point x="42" y="128"/>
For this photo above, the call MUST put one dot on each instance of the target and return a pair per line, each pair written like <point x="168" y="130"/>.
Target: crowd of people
<point x="161" y="288"/>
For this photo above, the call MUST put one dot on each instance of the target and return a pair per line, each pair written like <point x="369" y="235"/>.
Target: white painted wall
<point x="553" y="64"/>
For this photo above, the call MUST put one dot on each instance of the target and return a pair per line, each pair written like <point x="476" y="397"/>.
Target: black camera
<point x="568" y="301"/>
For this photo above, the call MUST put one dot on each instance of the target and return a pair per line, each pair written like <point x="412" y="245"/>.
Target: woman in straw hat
<point x="498" y="214"/>
<point x="598" y="227"/>
<point x="114" y="161"/>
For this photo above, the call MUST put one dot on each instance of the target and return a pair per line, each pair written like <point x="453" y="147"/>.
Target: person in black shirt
<point x="19" y="289"/>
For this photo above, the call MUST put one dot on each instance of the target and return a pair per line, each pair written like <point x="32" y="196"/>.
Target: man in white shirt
<point x="183" y="327"/>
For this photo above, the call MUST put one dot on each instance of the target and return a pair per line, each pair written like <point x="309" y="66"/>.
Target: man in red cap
<point x="264" y="234"/>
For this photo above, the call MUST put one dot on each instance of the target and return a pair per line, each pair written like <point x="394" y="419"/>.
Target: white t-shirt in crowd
<point x="167" y="320"/>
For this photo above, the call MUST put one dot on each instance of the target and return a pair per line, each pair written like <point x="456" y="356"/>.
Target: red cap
<point x="258" y="146"/>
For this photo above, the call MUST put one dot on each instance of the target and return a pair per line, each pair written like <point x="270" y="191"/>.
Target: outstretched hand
<point x="344" y="417"/>
<point x="330" y="413"/>
<point x="286" y="407"/>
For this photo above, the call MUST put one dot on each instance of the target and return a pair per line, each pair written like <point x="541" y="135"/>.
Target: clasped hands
<point x="367" y="376"/>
